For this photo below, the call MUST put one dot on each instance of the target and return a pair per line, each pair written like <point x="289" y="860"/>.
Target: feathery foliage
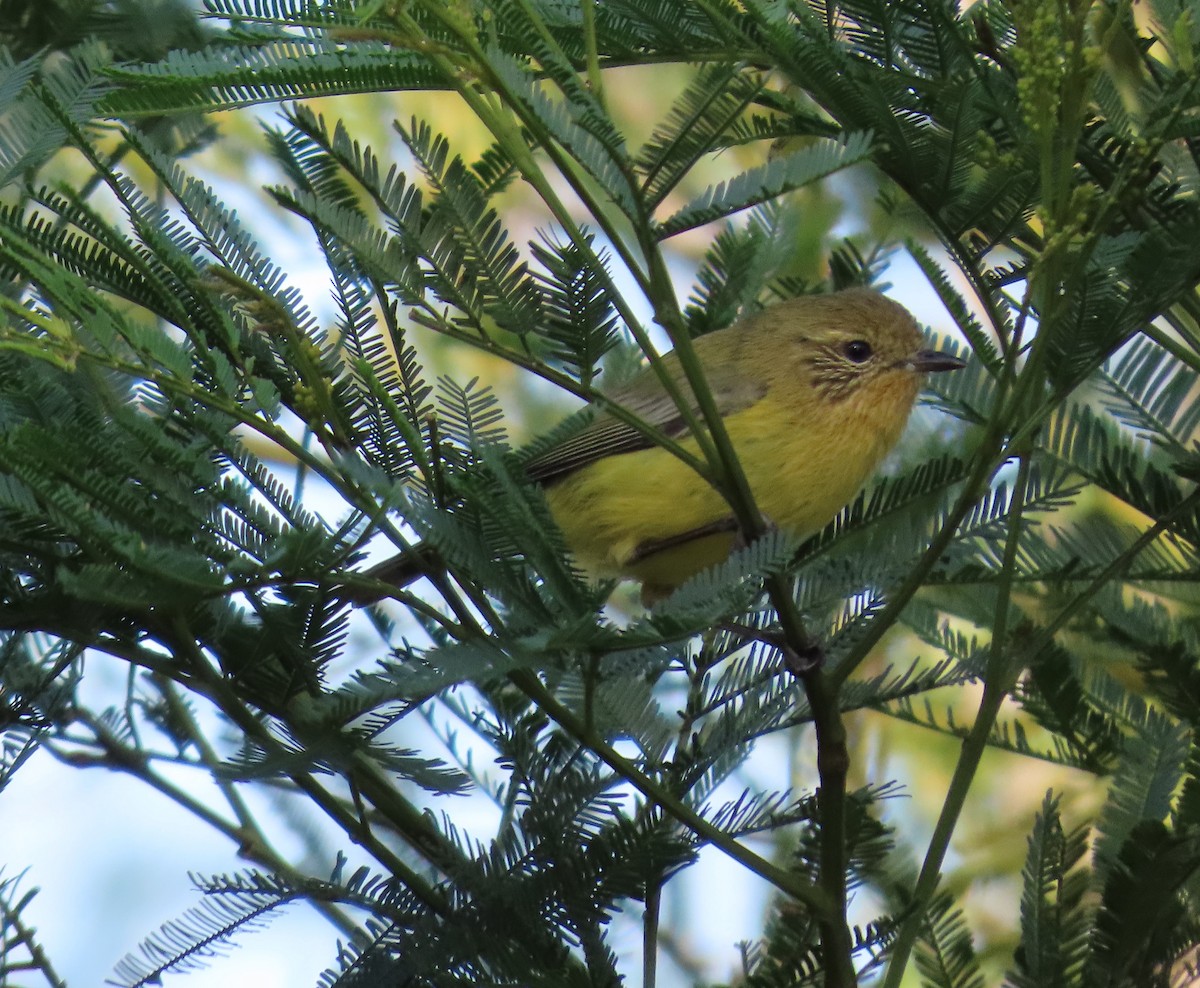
<point x="171" y="396"/>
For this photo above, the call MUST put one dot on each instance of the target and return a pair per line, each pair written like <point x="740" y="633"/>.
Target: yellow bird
<point x="813" y="393"/>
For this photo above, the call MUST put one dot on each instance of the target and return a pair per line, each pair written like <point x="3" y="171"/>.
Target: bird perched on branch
<point x="813" y="392"/>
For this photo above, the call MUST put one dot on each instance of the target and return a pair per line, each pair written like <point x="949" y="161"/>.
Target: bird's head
<point x="854" y="343"/>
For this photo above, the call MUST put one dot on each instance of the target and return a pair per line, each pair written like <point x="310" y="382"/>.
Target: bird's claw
<point x="803" y="662"/>
<point x="740" y="541"/>
<point x="800" y="662"/>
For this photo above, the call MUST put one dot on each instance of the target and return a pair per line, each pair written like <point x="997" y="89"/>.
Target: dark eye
<point x="858" y="351"/>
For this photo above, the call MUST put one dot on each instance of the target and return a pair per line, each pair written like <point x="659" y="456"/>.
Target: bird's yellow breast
<point x="803" y="460"/>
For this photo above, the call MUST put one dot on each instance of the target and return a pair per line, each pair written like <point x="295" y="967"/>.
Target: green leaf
<point x="758" y="185"/>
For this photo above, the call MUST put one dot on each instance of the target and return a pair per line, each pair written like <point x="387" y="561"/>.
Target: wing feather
<point x="606" y="436"/>
<point x="644" y="397"/>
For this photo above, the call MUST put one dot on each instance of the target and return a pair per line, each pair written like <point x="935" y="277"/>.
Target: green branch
<point x="998" y="681"/>
<point x="798" y="888"/>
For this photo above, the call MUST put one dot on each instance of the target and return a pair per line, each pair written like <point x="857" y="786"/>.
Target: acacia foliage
<point x="1048" y="149"/>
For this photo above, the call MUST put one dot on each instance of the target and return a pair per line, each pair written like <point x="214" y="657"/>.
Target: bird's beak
<point x="929" y="361"/>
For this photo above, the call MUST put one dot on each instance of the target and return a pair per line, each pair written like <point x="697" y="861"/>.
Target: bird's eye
<point x="858" y="351"/>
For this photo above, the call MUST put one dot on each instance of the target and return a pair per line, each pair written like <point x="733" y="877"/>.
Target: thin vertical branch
<point x="997" y="683"/>
<point x="650" y="920"/>
<point x="833" y="763"/>
<point x="595" y="79"/>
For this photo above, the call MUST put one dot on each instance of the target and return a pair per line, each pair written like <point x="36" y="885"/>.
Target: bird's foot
<point x="800" y="661"/>
<point x="739" y="534"/>
<point x="803" y="662"/>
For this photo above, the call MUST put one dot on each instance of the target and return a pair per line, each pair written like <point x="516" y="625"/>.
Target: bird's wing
<point x="645" y="398"/>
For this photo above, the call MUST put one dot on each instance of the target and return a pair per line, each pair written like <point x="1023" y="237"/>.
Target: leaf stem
<point x="220" y="693"/>
<point x="504" y="132"/>
<point x="997" y="683"/>
<point x="1111" y="572"/>
<point x="833" y="763"/>
<point x="595" y="78"/>
<point x="248" y="837"/>
<point x="650" y="920"/>
<point x="800" y="889"/>
<point x="22" y="934"/>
